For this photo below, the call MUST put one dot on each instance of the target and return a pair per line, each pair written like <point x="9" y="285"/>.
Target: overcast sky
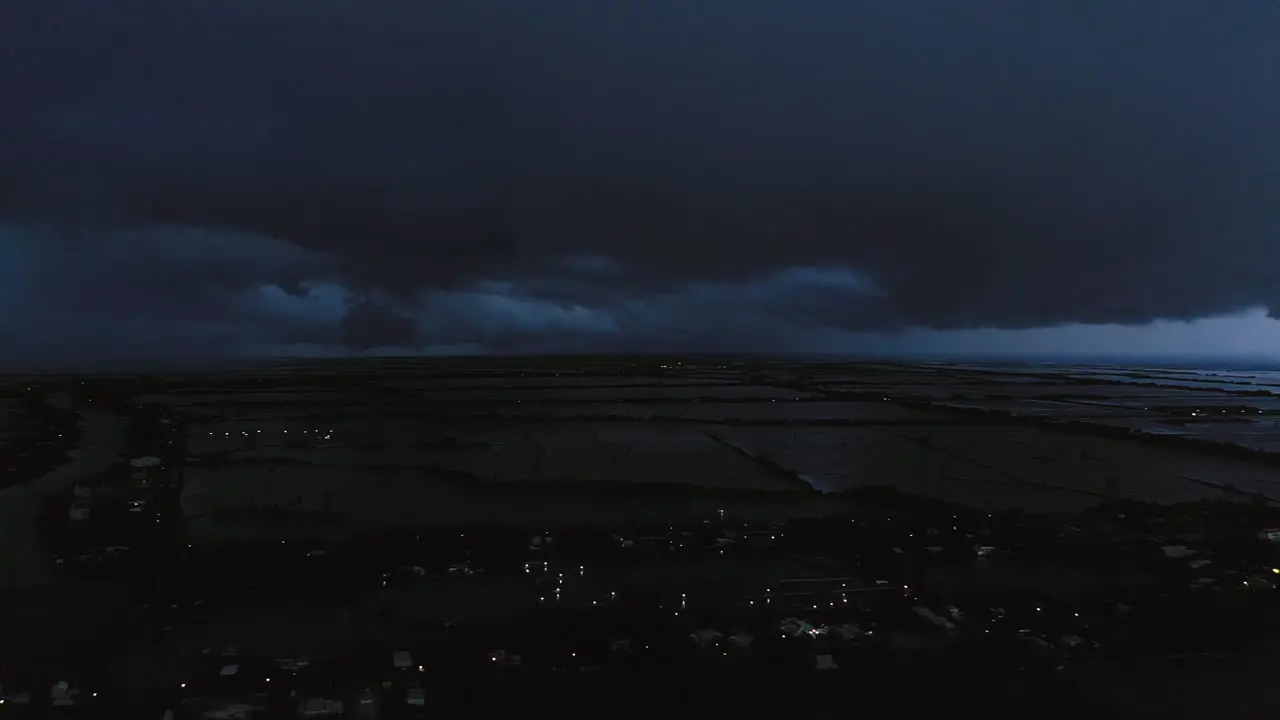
<point x="184" y="179"/>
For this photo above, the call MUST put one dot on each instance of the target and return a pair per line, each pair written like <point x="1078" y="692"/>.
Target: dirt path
<point x="21" y="562"/>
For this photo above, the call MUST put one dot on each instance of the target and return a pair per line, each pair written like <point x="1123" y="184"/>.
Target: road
<point x="22" y="564"/>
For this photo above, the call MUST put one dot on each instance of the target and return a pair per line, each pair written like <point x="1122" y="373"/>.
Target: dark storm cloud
<point x="83" y="296"/>
<point x="512" y="174"/>
<point x="370" y="324"/>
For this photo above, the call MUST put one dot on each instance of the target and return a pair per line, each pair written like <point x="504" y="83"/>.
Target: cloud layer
<point x="240" y="178"/>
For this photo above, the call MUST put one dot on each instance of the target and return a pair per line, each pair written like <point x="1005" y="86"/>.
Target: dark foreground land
<point x="633" y="538"/>
<point x="35" y="436"/>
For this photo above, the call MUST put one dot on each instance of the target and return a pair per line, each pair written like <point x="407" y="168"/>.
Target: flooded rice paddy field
<point x="642" y="393"/>
<point x="254" y="501"/>
<point x="582" y="452"/>
<point x="1002" y="467"/>
<point x="414" y="444"/>
<point x="784" y="411"/>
